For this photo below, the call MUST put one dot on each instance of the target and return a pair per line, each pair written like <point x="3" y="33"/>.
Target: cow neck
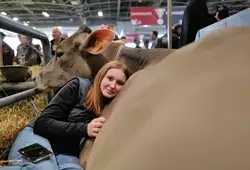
<point x="118" y="52"/>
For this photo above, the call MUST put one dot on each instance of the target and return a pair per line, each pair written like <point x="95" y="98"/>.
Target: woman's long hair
<point x="94" y="98"/>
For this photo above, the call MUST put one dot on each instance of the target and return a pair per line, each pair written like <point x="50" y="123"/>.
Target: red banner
<point x="154" y="16"/>
<point x="147" y="16"/>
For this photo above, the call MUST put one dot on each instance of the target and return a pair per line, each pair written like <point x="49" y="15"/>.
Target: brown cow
<point x="85" y="52"/>
<point x="190" y="111"/>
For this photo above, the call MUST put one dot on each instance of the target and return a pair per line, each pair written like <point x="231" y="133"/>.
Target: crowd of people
<point x="27" y="53"/>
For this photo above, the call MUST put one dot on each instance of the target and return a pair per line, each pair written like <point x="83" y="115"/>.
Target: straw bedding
<point x="15" y="117"/>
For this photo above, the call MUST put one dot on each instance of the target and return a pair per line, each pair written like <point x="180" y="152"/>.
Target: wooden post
<point x="1" y="51"/>
<point x="169" y="24"/>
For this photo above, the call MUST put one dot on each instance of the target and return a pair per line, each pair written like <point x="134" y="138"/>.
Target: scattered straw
<point x="14" y="118"/>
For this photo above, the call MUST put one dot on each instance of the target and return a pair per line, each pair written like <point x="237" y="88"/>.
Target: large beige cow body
<point x="190" y="111"/>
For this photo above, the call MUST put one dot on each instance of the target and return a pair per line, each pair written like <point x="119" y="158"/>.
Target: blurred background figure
<point x="163" y="41"/>
<point x="103" y="26"/>
<point x="154" y="39"/>
<point x="27" y="54"/>
<point x="137" y="42"/>
<point x="124" y="38"/>
<point x="7" y="51"/>
<point x="146" y="43"/>
<point x="112" y="27"/>
<point x="57" y="38"/>
<point x="40" y="55"/>
<point x="222" y="11"/>
<point x="195" y="17"/>
<point x="177" y="30"/>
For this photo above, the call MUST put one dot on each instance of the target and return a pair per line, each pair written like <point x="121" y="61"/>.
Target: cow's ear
<point x="98" y="40"/>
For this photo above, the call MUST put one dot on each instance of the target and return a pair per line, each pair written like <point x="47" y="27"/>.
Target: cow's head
<point x="79" y="55"/>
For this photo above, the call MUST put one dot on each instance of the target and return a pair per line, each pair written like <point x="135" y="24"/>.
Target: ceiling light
<point x="3" y="13"/>
<point x="15" y="19"/>
<point x="100" y="14"/>
<point x="34" y="27"/>
<point x="25" y="23"/>
<point x="45" y="14"/>
<point x="71" y="19"/>
<point x="74" y="2"/>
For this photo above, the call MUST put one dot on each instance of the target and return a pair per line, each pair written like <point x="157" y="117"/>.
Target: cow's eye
<point x="59" y="54"/>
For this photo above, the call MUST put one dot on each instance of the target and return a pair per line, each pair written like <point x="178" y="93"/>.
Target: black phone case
<point x="35" y="153"/>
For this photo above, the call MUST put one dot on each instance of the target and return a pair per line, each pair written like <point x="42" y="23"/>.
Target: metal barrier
<point x="9" y="24"/>
<point x="17" y="97"/>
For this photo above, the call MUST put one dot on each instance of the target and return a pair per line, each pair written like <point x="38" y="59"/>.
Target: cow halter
<point x="118" y="52"/>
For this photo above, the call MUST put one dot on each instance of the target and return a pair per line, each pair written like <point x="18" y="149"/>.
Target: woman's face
<point x="112" y="82"/>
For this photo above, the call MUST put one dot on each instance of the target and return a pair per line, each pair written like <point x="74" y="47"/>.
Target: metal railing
<point x="11" y="25"/>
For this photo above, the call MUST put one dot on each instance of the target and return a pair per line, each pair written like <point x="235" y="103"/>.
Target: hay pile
<point x="35" y="70"/>
<point x="2" y="78"/>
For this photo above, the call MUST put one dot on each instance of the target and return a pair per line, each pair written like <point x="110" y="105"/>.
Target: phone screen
<point x="35" y="152"/>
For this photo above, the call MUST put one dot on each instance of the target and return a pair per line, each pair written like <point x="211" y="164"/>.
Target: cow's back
<point x="191" y="111"/>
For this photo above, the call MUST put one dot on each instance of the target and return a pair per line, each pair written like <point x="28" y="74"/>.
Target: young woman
<point x="73" y="113"/>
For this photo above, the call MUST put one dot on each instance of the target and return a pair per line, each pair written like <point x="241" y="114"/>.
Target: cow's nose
<point x="39" y="84"/>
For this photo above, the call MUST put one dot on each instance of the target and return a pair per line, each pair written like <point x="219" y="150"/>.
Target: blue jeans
<point x="27" y="137"/>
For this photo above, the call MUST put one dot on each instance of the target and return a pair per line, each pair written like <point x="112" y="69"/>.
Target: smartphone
<point x="35" y="153"/>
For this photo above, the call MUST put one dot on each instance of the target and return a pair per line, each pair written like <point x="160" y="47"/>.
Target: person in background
<point x="177" y="30"/>
<point x="163" y="41"/>
<point x="137" y="42"/>
<point x="123" y="40"/>
<point x="40" y="58"/>
<point x="154" y="39"/>
<point x="7" y="52"/>
<point x="116" y="38"/>
<point x="103" y="26"/>
<point x="222" y="12"/>
<point x="195" y="17"/>
<point x="27" y="53"/>
<point x="57" y="38"/>
<point x="145" y="43"/>
<point x="112" y="27"/>
<point x="74" y="113"/>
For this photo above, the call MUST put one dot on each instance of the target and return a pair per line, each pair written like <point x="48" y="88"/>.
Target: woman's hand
<point x="95" y="126"/>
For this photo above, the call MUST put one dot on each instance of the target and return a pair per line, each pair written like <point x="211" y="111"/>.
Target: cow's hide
<point x="190" y="111"/>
